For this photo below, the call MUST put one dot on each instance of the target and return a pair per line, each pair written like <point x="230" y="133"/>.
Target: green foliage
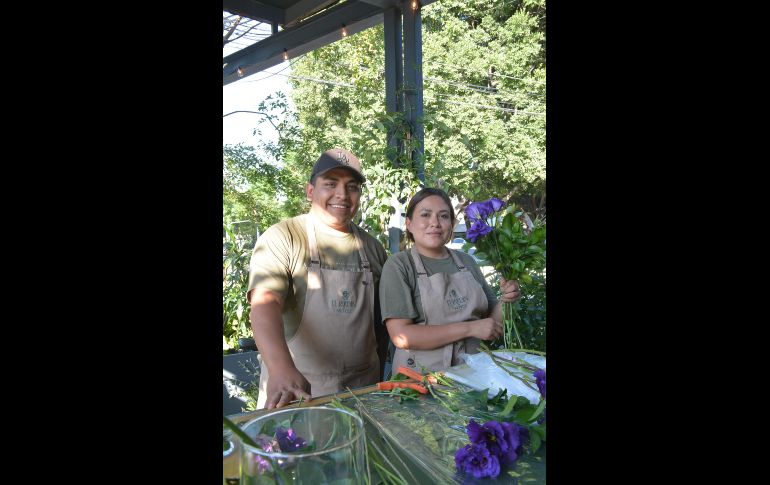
<point x="487" y="54"/>
<point x="249" y="390"/>
<point x="263" y="185"/>
<point x="235" y="282"/>
<point x="484" y="75"/>
<point x="531" y="310"/>
<point x="484" y="83"/>
<point x="513" y="250"/>
<point x="517" y="250"/>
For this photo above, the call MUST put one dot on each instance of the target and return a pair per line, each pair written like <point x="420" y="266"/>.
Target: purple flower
<point x="501" y="439"/>
<point x="478" y="461"/>
<point x="512" y="437"/>
<point x="288" y="440"/>
<point x="540" y="379"/>
<point x="264" y="442"/>
<point x="262" y="464"/>
<point x="490" y="434"/>
<point x="481" y="210"/>
<point x="478" y="228"/>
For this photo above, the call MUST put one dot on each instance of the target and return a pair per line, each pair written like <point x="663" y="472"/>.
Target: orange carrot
<point x="416" y="376"/>
<point x="390" y="385"/>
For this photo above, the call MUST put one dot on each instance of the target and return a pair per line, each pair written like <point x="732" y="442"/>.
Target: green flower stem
<point x="239" y="432"/>
<point x="496" y="360"/>
<point x="483" y="346"/>
<point x="284" y="477"/>
<point x="514" y="364"/>
<point x="441" y="401"/>
<point x="511" y="315"/>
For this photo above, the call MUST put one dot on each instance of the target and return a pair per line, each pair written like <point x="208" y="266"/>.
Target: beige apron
<point x="334" y="346"/>
<point x="446" y="298"/>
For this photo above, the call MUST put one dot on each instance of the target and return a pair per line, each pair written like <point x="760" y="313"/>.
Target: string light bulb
<point x="240" y="72"/>
<point x="285" y="55"/>
<point x="344" y="31"/>
<point x="414" y="4"/>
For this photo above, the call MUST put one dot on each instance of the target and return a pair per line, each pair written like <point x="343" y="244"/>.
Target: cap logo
<point x="342" y="158"/>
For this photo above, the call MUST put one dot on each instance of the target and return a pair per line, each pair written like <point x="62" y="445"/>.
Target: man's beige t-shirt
<point x="280" y="259"/>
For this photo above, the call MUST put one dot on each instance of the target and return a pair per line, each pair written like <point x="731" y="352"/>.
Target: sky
<point x="245" y="95"/>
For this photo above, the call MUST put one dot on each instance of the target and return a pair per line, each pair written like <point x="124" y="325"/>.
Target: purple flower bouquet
<point x="514" y="248"/>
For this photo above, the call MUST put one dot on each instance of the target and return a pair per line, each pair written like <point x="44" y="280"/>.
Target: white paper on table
<point x="480" y="372"/>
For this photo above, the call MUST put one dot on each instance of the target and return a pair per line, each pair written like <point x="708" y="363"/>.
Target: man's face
<point x="335" y="198"/>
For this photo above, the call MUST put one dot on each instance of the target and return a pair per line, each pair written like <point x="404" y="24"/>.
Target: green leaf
<point x="239" y="432"/>
<point x="538" y="411"/>
<point x="500" y="395"/>
<point x="534" y="442"/>
<point x="539" y="429"/>
<point x="508" y="222"/>
<point x="309" y="471"/>
<point x="480" y="397"/>
<point x="509" y="406"/>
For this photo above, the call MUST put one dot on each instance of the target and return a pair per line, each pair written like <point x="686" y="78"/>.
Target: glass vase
<point x="231" y="458"/>
<point x="324" y="445"/>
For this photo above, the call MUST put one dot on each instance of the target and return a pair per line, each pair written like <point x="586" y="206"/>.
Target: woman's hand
<point x="510" y="290"/>
<point x="486" y="329"/>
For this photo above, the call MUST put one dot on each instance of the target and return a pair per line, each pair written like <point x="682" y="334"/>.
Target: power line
<point x="478" y="88"/>
<point x="514" y="110"/>
<point x="494" y="74"/>
<point x="291" y="63"/>
<point x="322" y="81"/>
<point x="473" y="87"/>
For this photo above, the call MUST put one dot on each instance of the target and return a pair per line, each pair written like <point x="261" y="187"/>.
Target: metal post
<point x="394" y="79"/>
<point x="394" y="76"/>
<point x="413" y="82"/>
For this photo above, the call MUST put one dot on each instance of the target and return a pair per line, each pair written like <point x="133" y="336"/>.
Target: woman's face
<point x="431" y="225"/>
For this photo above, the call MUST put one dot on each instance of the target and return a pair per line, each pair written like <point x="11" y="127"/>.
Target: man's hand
<point x="285" y="383"/>
<point x="284" y="386"/>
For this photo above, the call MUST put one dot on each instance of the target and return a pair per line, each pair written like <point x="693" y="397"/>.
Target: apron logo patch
<point x="455" y="302"/>
<point x="342" y="158"/>
<point x="346" y="305"/>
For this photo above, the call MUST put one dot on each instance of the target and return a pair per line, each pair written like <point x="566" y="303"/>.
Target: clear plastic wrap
<point x="481" y="372"/>
<point x="419" y="439"/>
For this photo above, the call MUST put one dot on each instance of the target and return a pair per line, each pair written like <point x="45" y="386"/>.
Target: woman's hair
<point x="422" y="194"/>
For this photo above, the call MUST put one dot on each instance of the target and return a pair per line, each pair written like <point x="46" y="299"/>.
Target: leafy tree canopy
<point x="484" y="92"/>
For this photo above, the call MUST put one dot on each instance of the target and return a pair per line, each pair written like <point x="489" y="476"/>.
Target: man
<point x="313" y="289"/>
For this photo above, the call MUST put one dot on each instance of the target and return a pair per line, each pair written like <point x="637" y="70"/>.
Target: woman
<point x="435" y="301"/>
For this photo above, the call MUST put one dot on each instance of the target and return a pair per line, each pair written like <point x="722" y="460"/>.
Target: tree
<point x="484" y="80"/>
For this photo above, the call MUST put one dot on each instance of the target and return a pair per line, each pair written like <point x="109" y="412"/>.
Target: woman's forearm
<point x="426" y="337"/>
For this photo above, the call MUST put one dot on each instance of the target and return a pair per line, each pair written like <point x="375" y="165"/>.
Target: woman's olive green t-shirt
<point x="399" y="292"/>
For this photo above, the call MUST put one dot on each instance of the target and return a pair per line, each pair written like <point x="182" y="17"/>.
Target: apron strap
<point x="457" y="260"/>
<point x="421" y="271"/>
<point x="360" y="244"/>
<point x="315" y="260"/>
